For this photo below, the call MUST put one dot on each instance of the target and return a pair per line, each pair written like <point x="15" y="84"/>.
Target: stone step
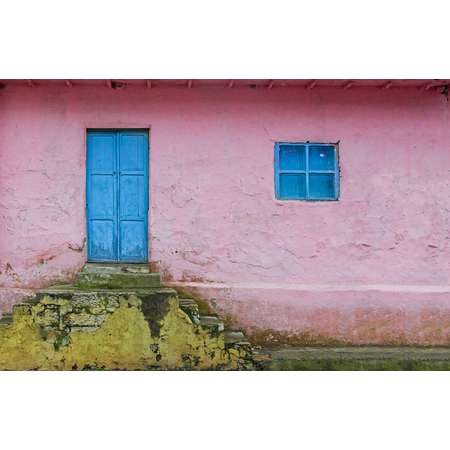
<point x="237" y="340"/>
<point x="6" y="319"/>
<point x="188" y="302"/>
<point x="22" y="306"/>
<point x="190" y="307"/>
<point x="212" y="323"/>
<point x="115" y="268"/>
<point x="234" y="337"/>
<point x="260" y="356"/>
<point x="116" y="280"/>
<point x="31" y="300"/>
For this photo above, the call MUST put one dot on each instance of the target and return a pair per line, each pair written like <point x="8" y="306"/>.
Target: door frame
<point x="115" y="129"/>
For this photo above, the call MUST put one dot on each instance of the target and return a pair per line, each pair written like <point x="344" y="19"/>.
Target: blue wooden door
<point x="117" y="195"/>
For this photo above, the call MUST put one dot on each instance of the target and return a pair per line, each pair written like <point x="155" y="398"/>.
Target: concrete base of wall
<point x="332" y="314"/>
<point x="320" y="314"/>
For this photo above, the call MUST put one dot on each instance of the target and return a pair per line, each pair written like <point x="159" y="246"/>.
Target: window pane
<point x="321" y="157"/>
<point x="292" y="185"/>
<point x="321" y="185"/>
<point x="292" y="157"/>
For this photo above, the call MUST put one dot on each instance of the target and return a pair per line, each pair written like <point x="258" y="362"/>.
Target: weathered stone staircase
<point x="103" y="319"/>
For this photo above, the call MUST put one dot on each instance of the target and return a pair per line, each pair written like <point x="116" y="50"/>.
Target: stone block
<point x="212" y="323"/>
<point x="113" y="280"/>
<point x="115" y="268"/>
<point x="48" y="317"/>
<point x="84" y="319"/>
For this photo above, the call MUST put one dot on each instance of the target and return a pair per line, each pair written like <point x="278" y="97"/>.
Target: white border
<point x="224" y="39"/>
<point x="233" y="39"/>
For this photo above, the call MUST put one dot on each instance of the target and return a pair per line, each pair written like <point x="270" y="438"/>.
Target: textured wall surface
<point x="213" y="215"/>
<point x="106" y="330"/>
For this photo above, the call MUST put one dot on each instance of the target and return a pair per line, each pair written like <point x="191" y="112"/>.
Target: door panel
<point x="133" y="203"/>
<point x="132" y="151"/>
<point x="102" y="152"/>
<point x="117" y="195"/>
<point x="102" y="239"/>
<point x="133" y="242"/>
<point x="101" y="196"/>
<point x="102" y="203"/>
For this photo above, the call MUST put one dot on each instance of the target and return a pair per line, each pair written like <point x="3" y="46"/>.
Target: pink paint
<point x="376" y="314"/>
<point x="213" y="215"/>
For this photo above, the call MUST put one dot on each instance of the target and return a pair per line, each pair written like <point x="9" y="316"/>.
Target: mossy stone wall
<point x="67" y="330"/>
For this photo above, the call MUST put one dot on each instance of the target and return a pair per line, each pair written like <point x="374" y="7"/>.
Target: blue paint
<point x="305" y="171"/>
<point x="117" y="195"/>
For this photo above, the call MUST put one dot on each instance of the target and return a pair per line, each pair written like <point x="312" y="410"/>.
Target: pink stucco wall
<point x="213" y="215"/>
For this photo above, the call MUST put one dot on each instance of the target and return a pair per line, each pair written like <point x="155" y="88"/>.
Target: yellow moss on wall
<point x="122" y="341"/>
<point x="182" y="343"/>
<point x="22" y="346"/>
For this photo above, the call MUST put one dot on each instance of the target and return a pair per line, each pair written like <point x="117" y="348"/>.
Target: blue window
<point x="306" y="171"/>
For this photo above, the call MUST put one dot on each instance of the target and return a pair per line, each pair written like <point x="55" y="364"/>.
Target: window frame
<point x="307" y="171"/>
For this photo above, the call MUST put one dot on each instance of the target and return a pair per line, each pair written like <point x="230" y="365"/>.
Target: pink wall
<point x="213" y="215"/>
